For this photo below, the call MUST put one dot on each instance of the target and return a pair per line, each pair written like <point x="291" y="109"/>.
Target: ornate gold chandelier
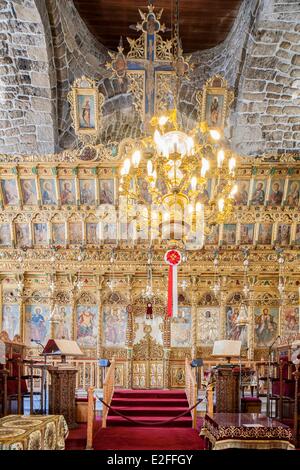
<point x="169" y="174"/>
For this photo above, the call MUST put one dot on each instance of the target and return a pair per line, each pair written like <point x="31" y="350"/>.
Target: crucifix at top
<point x="150" y="67"/>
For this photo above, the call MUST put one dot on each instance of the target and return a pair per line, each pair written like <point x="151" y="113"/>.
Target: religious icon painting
<point x="258" y="192"/>
<point x="11" y="321"/>
<point x="276" y="192"/>
<point x="247" y="234"/>
<point x="75" y="233"/>
<point x="242" y="195"/>
<point x="236" y="329"/>
<point x="266" y="325"/>
<point x="40" y="233"/>
<point x="208" y="325"/>
<point x="59" y="233"/>
<point x="5" y="235"/>
<point x="37" y="324"/>
<point x="86" y="109"/>
<point x="28" y="190"/>
<point x="22" y="235"/>
<point x="297" y="234"/>
<point x="283" y="234"/>
<point x="216" y="100"/>
<point x="229" y="234"/>
<point x="67" y="192"/>
<point x="107" y="191"/>
<point x="10" y="194"/>
<point x="63" y="329"/>
<point x="92" y="233"/>
<point x="290" y="321"/>
<point x="181" y="328"/>
<point x="48" y="191"/>
<point x="265" y="232"/>
<point x="292" y="196"/>
<point x="87" y="192"/>
<point x="213" y="237"/>
<point x="114" y="326"/>
<point x="87" y="326"/>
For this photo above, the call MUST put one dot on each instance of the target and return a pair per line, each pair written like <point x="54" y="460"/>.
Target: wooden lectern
<point x="227" y="377"/>
<point x="63" y="379"/>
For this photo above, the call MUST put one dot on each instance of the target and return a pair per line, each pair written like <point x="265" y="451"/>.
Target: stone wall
<point x="27" y="82"/>
<point x="45" y="46"/>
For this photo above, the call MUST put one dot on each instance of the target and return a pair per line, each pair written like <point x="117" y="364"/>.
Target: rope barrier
<point x="150" y="423"/>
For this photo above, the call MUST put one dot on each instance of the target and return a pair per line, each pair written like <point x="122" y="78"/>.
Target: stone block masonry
<point x="45" y="46"/>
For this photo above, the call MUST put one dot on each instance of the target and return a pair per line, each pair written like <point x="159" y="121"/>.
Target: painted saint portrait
<point x="290" y="321"/>
<point x="86" y="111"/>
<point x="292" y="197"/>
<point x="37" y="323"/>
<point x="5" y="235"/>
<point x="258" y="193"/>
<point x="214" y="110"/>
<point x="181" y="328"/>
<point x="229" y="234"/>
<point x="9" y="192"/>
<point x="144" y="191"/>
<point x="208" y="324"/>
<point x="297" y="235"/>
<point x="29" y="194"/>
<point x="241" y="197"/>
<point x="107" y="191"/>
<point x="40" y="232"/>
<point x="87" y="326"/>
<point x="213" y="237"/>
<point x="48" y="192"/>
<point x="109" y="232"/>
<point x="67" y="192"/>
<point x="22" y="235"/>
<point x="236" y="329"/>
<point x="114" y="326"/>
<point x="11" y="319"/>
<point x="63" y="330"/>
<point x="265" y="234"/>
<point x="59" y="233"/>
<point x="283" y="234"/>
<point x="276" y="192"/>
<point x="75" y="233"/>
<point x="87" y="192"/>
<point x="92" y="233"/>
<point x="247" y="234"/>
<point x="266" y="325"/>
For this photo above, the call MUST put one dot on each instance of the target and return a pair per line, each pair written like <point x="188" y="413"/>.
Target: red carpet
<point x="146" y="405"/>
<point x="155" y="406"/>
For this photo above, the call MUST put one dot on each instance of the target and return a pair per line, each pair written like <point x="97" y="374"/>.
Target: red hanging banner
<point x="172" y="258"/>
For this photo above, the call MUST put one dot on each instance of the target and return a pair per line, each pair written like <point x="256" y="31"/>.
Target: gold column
<point x="100" y="280"/>
<point x="223" y="299"/>
<point x="129" y="337"/>
<point x="251" y="324"/>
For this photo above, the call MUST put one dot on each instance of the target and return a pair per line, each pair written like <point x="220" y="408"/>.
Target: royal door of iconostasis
<point x="148" y="341"/>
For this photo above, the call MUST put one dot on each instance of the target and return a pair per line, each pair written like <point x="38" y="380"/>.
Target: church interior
<point x="149" y="224"/>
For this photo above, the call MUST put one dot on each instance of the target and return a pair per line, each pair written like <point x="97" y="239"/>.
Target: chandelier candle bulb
<point x="221" y="204"/>
<point x="194" y="183"/>
<point x="136" y="158"/>
<point x="215" y="134"/>
<point x="221" y="157"/>
<point x="126" y="166"/>
<point x="231" y="165"/>
<point x="149" y="167"/>
<point x="205" y="167"/>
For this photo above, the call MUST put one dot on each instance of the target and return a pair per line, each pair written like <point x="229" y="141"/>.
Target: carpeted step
<point x="148" y="411"/>
<point x="153" y="394"/>
<point x="145" y="402"/>
<point x="185" y="422"/>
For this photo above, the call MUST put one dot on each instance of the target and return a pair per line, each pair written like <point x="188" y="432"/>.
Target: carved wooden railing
<point x="191" y="390"/>
<point x="108" y="390"/>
